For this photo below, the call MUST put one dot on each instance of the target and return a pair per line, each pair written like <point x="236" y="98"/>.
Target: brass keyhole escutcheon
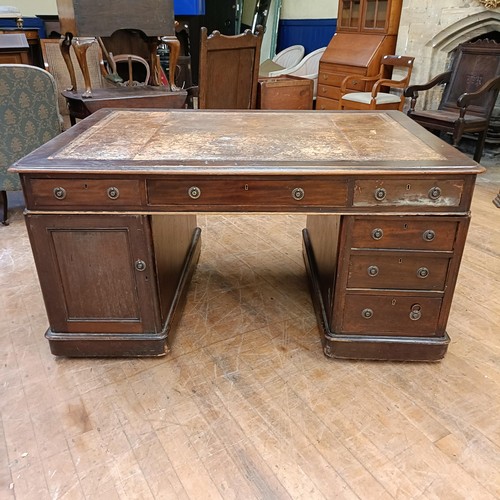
<point x="367" y="313"/>
<point x="372" y="271"/>
<point x="380" y="194"/>
<point x="113" y="193"/>
<point x="298" y="194"/>
<point x="434" y="193"/>
<point x="377" y="234"/>
<point x="140" y="265"/>
<point x="429" y="235"/>
<point x="59" y="193"/>
<point x="194" y="192"/>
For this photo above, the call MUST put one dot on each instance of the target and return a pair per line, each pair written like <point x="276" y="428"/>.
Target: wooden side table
<point x="14" y="49"/>
<point x="285" y="92"/>
<point x="122" y="97"/>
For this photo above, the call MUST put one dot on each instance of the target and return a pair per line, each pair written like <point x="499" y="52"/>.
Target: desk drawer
<point x="398" y="270"/>
<point x="411" y="193"/>
<point x="237" y="194"/>
<point x="323" y="103"/>
<point x="404" y="233"/>
<point x="51" y="193"/>
<point x="408" y="316"/>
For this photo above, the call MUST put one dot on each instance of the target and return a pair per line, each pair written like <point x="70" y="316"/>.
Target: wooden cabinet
<point x="14" y="49"/>
<point x="366" y="30"/>
<point x="394" y="279"/>
<point x="105" y="278"/>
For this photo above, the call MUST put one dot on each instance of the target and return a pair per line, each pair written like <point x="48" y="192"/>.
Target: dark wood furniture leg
<point x="3" y="199"/>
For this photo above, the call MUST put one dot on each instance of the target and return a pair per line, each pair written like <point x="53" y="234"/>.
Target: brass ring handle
<point x="59" y="193"/>
<point x="377" y="233"/>
<point x="415" y="313"/>
<point x="194" y="192"/>
<point x="380" y="194"/>
<point x="298" y="194"/>
<point x="422" y="272"/>
<point x="434" y="193"/>
<point x="367" y="313"/>
<point x="113" y="193"/>
<point x="428" y="235"/>
<point x="372" y="270"/>
<point x="140" y="265"/>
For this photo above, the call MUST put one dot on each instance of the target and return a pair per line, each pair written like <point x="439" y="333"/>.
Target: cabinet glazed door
<point x="96" y="272"/>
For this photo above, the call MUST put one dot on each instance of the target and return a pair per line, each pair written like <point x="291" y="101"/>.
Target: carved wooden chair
<point x="229" y="70"/>
<point x="379" y="97"/>
<point x="55" y="65"/>
<point x="29" y="117"/>
<point x="468" y="99"/>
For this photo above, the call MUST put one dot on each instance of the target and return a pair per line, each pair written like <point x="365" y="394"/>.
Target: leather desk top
<point x="246" y="142"/>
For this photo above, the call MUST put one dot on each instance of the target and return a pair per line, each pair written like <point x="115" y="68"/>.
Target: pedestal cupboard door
<point x="96" y="272"/>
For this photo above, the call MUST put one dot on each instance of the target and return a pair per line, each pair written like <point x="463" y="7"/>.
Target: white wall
<point x="309" y="9"/>
<point x="30" y="8"/>
<point x="290" y="9"/>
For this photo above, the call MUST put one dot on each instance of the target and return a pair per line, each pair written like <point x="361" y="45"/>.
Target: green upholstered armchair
<point x="29" y="117"/>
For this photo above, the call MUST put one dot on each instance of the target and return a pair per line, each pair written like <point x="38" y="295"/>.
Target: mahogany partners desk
<point x="111" y="210"/>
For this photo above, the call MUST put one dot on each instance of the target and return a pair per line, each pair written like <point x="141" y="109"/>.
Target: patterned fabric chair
<point x="29" y="117"/>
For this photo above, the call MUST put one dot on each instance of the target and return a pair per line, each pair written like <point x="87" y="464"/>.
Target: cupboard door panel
<point x="96" y="272"/>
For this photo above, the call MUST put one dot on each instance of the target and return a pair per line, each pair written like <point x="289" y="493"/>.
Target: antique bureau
<point x="111" y="210"/>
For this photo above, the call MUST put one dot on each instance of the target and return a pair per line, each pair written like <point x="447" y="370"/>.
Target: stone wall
<point x="430" y="29"/>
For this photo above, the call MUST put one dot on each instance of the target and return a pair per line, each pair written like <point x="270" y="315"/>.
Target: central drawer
<point x="238" y="193"/>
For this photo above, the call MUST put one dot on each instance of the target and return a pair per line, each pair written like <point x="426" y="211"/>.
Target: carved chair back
<point x="229" y="70"/>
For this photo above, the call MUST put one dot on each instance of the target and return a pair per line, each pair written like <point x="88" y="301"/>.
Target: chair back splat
<point x="229" y="70"/>
<point x="471" y="90"/>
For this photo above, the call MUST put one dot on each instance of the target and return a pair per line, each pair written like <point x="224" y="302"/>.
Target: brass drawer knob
<point x="113" y="193"/>
<point x="298" y="194"/>
<point x="140" y="265"/>
<point x="380" y="194"/>
<point x="367" y="313"/>
<point x="372" y="271"/>
<point x="428" y="235"/>
<point x="377" y="233"/>
<point x="434" y="193"/>
<point x="59" y="193"/>
<point x="194" y="192"/>
<point x="422" y="272"/>
<point x="415" y="313"/>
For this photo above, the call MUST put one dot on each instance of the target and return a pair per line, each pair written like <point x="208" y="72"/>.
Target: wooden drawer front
<point x="240" y="193"/>
<point x="329" y="92"/>
<point x="405" y="233"/>
<point x="332" y="79"/>
<point x="411" y="193"/>
<point x="397" y="270"/>
<point x="406" y="316"/>
<point x="324" y="103"/>
<point x="84" y="192"/>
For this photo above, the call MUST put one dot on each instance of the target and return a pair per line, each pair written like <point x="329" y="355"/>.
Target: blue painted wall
<point x="311" y="33"/>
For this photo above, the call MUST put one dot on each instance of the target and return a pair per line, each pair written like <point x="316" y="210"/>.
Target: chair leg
<point x="480" y="145"/>
<point x="3" y="199"/>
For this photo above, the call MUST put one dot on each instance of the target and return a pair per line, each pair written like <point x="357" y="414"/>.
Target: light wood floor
<point x="246" y="405"/>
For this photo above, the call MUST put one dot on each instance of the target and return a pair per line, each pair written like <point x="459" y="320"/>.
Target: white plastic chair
<point x="308" y="67"/>
<point x="289" y="57"/>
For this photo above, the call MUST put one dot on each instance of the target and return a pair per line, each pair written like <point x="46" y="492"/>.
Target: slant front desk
<point x="111" y="210"/>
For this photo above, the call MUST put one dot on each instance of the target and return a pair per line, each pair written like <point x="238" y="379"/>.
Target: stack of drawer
<point x="396" y="273"/>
